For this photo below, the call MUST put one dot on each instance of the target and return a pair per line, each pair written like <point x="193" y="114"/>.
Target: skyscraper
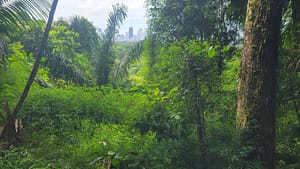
<point x="130" y="33"/>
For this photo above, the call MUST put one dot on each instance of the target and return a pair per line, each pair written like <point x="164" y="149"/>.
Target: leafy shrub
<point x="20" y="158"/>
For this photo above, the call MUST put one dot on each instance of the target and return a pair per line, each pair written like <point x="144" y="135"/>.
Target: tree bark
<point x="9" y="127"/>
<point x="257" y="82"/>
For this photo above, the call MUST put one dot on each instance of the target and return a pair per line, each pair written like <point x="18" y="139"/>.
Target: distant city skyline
<point x="97" y="12"/>
<point x="131" y="35"/>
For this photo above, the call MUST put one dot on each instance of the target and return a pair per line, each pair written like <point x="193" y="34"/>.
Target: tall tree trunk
<point x="257" y="83"/>
<point x="194" y="105"/>
<point x="10" y="132"/>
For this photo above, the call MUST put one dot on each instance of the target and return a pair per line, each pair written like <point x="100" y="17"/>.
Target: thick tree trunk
<point x="257" y="83"/>
<point x="10" y="132"/>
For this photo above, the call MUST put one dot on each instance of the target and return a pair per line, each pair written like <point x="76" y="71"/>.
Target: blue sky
<point x="97" y="12"/>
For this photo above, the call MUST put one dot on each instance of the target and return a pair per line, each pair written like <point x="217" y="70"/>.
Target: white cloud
<point x="97" y="11"/>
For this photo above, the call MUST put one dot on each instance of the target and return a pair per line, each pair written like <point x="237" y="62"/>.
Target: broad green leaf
<point x="226" y="48"/>
<point x="212" y="52"/>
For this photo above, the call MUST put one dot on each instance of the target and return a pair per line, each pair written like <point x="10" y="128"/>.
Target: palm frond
<point x="64" y="68"/>
<point x="116" y="18"/>
<point x="21" y="12"/>
<point x="121" y="69"/>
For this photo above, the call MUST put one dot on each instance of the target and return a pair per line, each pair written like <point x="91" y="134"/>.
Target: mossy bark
<point x="257" y="82"/>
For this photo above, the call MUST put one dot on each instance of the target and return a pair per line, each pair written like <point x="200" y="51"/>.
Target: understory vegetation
<point x="167" y="102"/>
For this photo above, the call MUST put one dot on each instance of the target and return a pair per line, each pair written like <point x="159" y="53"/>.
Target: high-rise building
<point x="130" y="32"/>
<point x="140" y="35"/>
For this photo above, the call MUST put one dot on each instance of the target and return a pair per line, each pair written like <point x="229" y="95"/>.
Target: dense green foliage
<point x="166" y="102"/>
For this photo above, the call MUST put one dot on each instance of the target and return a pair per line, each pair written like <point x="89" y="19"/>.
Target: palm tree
<point x="17" y="13"/>
<point x="9" y="127"/>
<point x="106" y="58"/>
<point x="21" y="12"/>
